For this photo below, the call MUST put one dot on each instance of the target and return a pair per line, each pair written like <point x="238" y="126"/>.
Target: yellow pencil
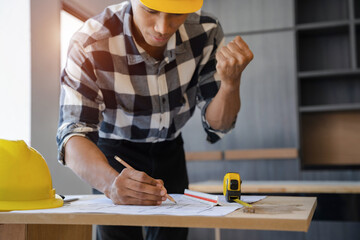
<point x="125" y="164"/>
<point x="248" y="208"/>
<point x="245" y="204"/>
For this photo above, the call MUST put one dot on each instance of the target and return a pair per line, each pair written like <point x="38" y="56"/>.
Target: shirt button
<point x="163" y="100"/>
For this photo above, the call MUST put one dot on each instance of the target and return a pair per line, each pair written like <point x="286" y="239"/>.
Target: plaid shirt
<point x="111" y="88"/>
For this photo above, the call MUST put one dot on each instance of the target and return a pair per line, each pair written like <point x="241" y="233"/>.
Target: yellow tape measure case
<point x="232" y="186"/>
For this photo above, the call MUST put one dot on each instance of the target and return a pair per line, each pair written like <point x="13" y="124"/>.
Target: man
<point x="133" y="78"/>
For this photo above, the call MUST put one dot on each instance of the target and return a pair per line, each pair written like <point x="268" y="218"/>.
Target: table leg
<point x="217" y="234"/>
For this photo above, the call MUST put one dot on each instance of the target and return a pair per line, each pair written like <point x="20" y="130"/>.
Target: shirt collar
<point x="136" y="54"/>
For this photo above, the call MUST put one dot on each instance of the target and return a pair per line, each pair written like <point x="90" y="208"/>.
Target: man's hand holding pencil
<point x="134" y="187"/>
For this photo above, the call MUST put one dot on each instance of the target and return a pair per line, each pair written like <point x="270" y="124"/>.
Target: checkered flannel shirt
<point x="111" y="88"/>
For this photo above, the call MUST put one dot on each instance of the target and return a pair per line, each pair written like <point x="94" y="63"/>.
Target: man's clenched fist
<point x="232" y="60"/>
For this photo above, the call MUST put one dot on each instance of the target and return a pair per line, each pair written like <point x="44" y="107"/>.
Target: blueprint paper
<point x="184" y="207"/>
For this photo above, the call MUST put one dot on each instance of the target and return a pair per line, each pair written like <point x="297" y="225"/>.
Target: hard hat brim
<point x="174" y="6"/>
<point x="55" y="202"/>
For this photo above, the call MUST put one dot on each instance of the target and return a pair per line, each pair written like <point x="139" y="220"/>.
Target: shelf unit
<point x="328" y="73"/>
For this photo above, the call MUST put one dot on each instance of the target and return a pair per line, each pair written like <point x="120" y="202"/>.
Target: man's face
<point x="153" y="27"/>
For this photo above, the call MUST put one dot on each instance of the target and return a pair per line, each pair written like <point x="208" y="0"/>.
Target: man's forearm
<point x="231" y="59"/>
<point x="224" y="107"/>
<point x="89" y="163"/>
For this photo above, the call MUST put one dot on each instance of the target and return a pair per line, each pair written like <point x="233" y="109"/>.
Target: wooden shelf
<point x="204" y="156"/>
<point x="282" y="153"/>
<point x="330" y="108"/>
<point x="322" y="25"/>
<point x="329" y="73"/>
<point x="249" y="154"/>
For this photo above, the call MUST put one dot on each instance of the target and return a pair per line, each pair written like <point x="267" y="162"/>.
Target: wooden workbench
<point x="345" y="195"/>
<point x="261" y="187"/>
<point x="272" y="213"/>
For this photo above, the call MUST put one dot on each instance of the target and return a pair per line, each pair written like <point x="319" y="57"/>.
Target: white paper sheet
<point x="184" y="207"/>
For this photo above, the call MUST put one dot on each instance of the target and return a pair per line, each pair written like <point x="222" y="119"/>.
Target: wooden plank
<point x="274" y="213"/>
<point x="13" y="231"/>
<point x="59" y="232"/>
<point x="331" y="187"/>
<point x="204" y="156"/>
<point x="279" y="153"/>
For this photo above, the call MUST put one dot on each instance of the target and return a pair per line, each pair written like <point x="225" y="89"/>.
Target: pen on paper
<point x="125" y="164"/>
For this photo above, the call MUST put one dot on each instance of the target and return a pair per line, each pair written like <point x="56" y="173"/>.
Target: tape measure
<point x="232" y="189"/>
<point x="232" y="186"/>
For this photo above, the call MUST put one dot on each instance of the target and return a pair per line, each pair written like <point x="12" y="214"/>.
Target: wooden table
<point x="272" y="213"/>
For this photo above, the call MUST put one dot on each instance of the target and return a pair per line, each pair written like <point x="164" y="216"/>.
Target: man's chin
<point x="155" y="42"/>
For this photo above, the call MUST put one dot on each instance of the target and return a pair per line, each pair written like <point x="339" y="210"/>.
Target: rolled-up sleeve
<point x="209" y="81"/>
<point x="81" y="100"/>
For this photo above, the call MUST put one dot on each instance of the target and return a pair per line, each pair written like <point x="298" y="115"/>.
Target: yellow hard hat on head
<point x="173" y="6"/>
<point x="25" y="180"/>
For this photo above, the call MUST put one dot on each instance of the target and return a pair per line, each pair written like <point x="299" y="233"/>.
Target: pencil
<point x="248" y="208"/>
<point x="125" y="164"/>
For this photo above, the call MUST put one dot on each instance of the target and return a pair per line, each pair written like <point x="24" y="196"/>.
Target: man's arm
<point x="231" y="62"/>
<point x="128" y="187"/>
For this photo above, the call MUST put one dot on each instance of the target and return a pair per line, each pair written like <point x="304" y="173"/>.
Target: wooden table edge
<point x="241" y="221"/>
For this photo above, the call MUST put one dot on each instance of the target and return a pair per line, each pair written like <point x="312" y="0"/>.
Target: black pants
<point x="163" y="160"/>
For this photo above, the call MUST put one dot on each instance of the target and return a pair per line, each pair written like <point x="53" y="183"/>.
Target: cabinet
<point x="328" y="74"/>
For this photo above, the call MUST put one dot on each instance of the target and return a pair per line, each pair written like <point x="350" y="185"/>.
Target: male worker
<point x="133" y="77"/>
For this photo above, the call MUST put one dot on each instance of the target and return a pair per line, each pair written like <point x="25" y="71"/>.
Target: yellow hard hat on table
<point x="25" y="180"/>
<point x="173" y="6"/>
